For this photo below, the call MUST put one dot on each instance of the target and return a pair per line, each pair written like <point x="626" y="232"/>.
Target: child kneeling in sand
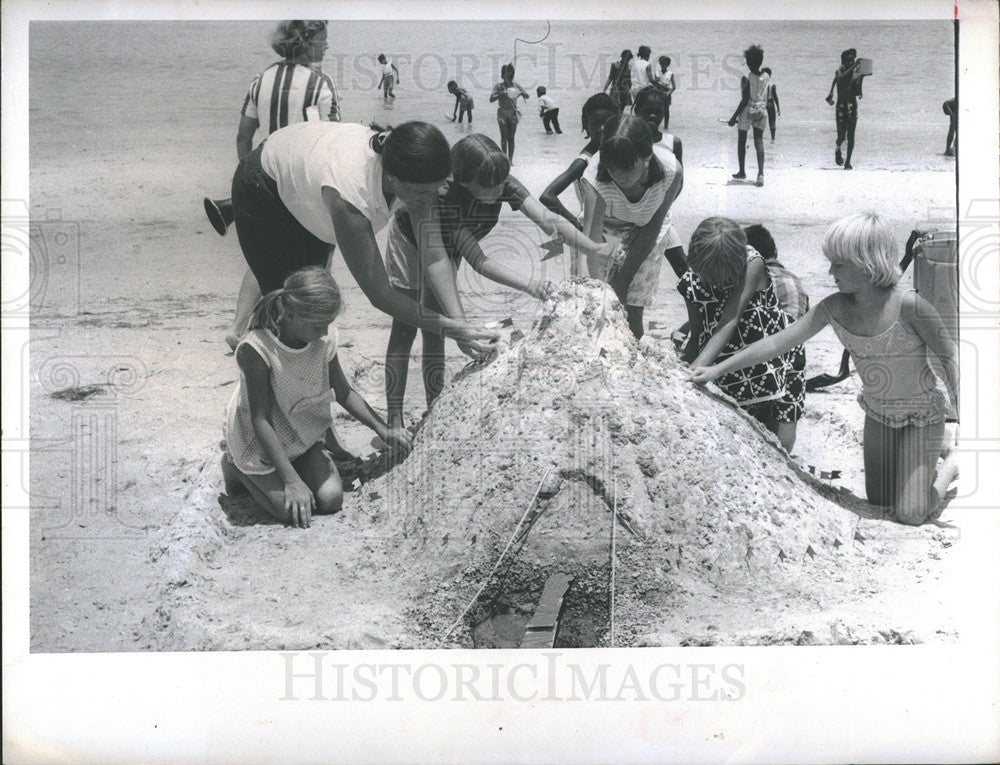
<point x="731" y="304"/>
<point x="468" y="209"/>
<point x="888" y="330"/>
<point x="279" y="415"/>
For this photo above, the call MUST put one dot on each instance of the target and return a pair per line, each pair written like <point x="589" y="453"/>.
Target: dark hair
<point x="647" y="93"/>
<point x="766" y="69"/>
<point x="754" y="56"/>
<point x="626" y="54"/>
<point x="644" y="52"/>
<point x="847" y="54"/>
<point x="506" y="68"/>
<point x="414" y="152"/>
<point x="598" y="102"/>
<point x="477" y="159"/>
<point x="627" y="139"/>
<point x="664" y="61"/>
<point x="293" y="39"/>
<point x="761" y="240"/>
<point x="540" y="90"/>
<point x="381" y="58"/>
<point x="451" y="84"/>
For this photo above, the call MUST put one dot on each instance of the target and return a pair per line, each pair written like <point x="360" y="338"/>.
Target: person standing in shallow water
<point x="619" y="82"/>
<point x="950" y="107"/>
<point x="505" y="94"/>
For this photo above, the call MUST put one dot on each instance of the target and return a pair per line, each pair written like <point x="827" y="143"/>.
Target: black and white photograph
<point x="339" y="333"/>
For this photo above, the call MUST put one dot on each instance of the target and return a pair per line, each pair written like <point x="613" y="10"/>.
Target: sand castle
<point x="573" y="450"/>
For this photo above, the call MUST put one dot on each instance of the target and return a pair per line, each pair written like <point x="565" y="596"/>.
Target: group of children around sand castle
<point x="748" y="316"/>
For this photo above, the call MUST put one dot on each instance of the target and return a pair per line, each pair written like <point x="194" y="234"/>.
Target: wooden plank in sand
<point x="541" y="630"/>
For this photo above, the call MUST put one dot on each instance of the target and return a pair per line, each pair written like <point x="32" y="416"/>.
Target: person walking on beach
<point x="641" y="71"/>
<point x="619" y="82"/>
<point x="751" y="112"/>
<point x="950" y="107"/>
<point x="505" y="94"/>
<point x="278" y="419"/>
<point x="317" y="184"/>
<point x="549" y="110"/>
<point x="664" y="80"/>
<point x="847" y="81"/>
<point x="289" y="91"/>
<point x="773" y="107"/>
<point x="390" y="77"/>
<point x="463" y="102"/>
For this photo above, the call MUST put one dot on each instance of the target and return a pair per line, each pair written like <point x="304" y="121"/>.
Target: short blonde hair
<point x="865" y="241"/>
<point x="718" y="251"/>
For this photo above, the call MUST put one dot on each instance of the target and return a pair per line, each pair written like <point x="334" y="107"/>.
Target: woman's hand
<point x="541" y="289"/>
<point x="398" y="438"/>
<point x="702" y="375"/>
<point x="475" y="341"/>
<point x="299" y="502"/>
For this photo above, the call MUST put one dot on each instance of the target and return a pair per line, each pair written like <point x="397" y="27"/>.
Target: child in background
<point x="731" y="304"/>
<point x="773" y="107"/>
<point x="549" y="110"/>
<point x="620" y="81"/>
<point x="279" y="415"/>
<point x="469" y="210"/>
<point x="751" y="112"/>
<point x="627" y="194"/>
<point x="848" y="82"/>
<point x="665" y="81"/>
<point x="888" y="330"/>
<point x="651" y="106"/>
<point x="390" y="77"/>
<point x="950" y="108"/>
<point x="505" y="93"/>
<point x="597" y="110"/>
<point x="463" y="102"/>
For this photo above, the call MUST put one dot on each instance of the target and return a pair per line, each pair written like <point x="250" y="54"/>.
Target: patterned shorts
<point x="847" y="114"/>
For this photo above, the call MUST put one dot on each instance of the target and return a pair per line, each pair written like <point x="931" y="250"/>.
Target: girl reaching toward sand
<point x="597" y="110"/>
<point x="468" y="210"/>
<point x="627" y="195"/>
<point x="888" y="331"/>
<point x="279" y="415"/>
<point x="731" y="303"/>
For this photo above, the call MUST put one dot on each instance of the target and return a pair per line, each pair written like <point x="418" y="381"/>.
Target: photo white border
<point x="824" y="704"/>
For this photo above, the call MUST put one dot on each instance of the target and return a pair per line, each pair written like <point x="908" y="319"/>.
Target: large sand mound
<point x="536" y="452"/>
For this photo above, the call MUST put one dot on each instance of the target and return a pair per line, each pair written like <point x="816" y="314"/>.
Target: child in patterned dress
<point x="732" y="304"/>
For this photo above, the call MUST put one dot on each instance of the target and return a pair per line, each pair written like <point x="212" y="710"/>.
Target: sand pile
<point x="567" y="427"/>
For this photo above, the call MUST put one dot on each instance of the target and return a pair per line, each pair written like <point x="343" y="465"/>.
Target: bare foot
<point x="848" y="166"/>
<point x="760" y="180"/>
<point x="740" y="176"/>
<point x="838" y="157"/>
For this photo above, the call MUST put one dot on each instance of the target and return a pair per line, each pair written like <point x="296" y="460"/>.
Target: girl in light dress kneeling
<point x="279" y="416"/>
<point x="888" y="331"/>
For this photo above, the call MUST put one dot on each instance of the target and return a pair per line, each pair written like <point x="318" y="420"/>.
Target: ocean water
<point x="174" y="89"/>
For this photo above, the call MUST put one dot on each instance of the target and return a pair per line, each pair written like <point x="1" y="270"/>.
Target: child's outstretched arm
<point x="768" y="348"/>
<point x="550" y="197"/>
<point x="355" y="403"/>
<point x="553" y="224"/>
<point x="744" y="100"/>
<point x="496" y="271"/>
<point x="458" y="100"/>
<point x="299" y="500"/>
<point x="438" y="272"/>
<point x="753" y="280"/>
<point x="927" y="323"/>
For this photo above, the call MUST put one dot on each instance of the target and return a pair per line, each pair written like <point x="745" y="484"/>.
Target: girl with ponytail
<point x="279" y="416"/>
<point x="314" y="185"/>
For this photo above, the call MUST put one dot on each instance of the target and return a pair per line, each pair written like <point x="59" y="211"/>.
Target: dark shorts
<point x="847" y="114"/>
<point x="274" y="243"/>
<point x="507" y="122"/>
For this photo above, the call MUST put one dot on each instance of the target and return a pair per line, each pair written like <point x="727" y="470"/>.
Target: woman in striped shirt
<point x="289" y="91"/>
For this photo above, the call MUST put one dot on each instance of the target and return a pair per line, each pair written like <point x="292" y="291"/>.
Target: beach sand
<point x="121" y="463"/>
